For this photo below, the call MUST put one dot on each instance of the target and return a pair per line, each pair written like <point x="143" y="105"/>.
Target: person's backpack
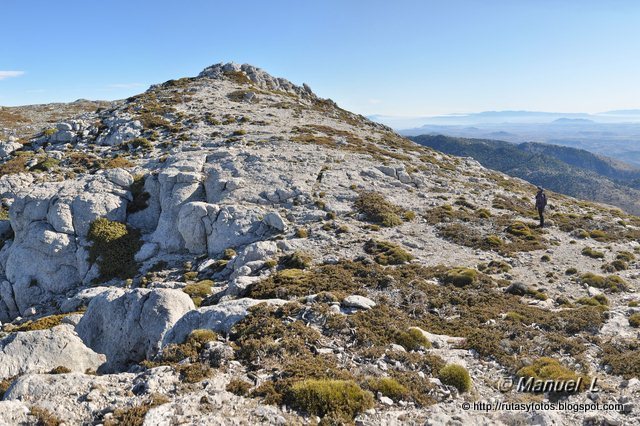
<point x="541" y="200"/>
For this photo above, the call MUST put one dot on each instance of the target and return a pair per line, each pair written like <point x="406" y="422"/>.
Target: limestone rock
<point x="358" y="302"/>
<point x="6" y="148"/>
<point x="128" y="325"/>
<point x="41" y="351"/>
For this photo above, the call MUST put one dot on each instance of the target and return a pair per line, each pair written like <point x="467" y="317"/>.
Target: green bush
<point x="388" y="387"/>
<point x="611" y="282"/>
<point x="597" y="300"/>
<point x="296" y="260"/>
<point x="493" y="241"/>
<point x="198" y="291"/>
<point x="625" y="256"/>
<point x="412" y="339"/>
<point x="520" y="229"/>
<point x="457" y="376"/>
<point x="460" y="277"/>
<point x="301" y="233"/>
<point x="571" y="271"/>
<point x="238" y="387"/>
<point x="588" y="251"/>
<point x="229" y="254"/>
<point x="634" y="320"/>
<point x="386" y="253"/>
<point x="341" y="399"/>
<point x="377" y="209"/>
<point x="114" y="247"/>
<point x="546" y="368"/>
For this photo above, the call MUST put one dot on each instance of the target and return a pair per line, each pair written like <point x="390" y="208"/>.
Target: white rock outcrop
<point x="41" y="351"/>
<point x="129" y="325"/>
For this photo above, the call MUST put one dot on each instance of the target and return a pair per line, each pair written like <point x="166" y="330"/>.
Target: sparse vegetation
<point x="44" y="417"/>
<point x="134" y="415"/>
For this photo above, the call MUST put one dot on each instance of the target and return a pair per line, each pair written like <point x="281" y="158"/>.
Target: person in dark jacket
<point x="541" y="203"/>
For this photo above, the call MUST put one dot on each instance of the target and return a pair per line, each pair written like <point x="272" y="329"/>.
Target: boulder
<point x="128" y="325"/>
<point x="120" y="130"/>
<point x="6" y="148"/>
<point x="358" y="302"/>
<point x="41" y="351"/>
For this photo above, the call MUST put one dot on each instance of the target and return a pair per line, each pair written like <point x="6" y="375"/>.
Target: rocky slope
<point x="232" y="249"/>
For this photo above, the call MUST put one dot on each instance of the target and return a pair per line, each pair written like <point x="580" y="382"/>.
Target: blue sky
<point x="396" y="57"/>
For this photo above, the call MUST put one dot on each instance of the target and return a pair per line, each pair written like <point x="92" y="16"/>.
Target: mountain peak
<point x="247" y="73"/>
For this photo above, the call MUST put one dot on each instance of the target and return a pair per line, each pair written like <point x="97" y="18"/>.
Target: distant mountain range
<point x="615" y="134"/>
<point x="506" y="117"/>
<point x="571" y="171"/>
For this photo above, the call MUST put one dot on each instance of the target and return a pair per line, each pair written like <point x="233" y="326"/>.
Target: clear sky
<point x="397" y="57"/>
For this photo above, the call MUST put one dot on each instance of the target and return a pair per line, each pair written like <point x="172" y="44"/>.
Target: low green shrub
<point x="375" y="208"/>
<point x="61" y="369"/>
<point x="296" y="260"/>
<point x="594" y="254"/>
<point x="339" y="399"/>
<point x="546" y="368"/>
<point x="634" y="320"/>
<point x="460" y="277"/>
<point x="238" y="387"/>
<point x="388" y="387"/>
<point x="386" y="253"/>
<point x="198" y="291"/>
<point x="457" y="376"/>
<point x="114" y="247"/>
<point x="611" y="282"/>
<point x="412" y="339"/>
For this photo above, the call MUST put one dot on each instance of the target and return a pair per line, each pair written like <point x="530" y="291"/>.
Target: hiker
<point x="541" y="203"/>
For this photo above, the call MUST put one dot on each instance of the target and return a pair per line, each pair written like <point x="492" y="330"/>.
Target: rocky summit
<point x="233" y="249"/>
